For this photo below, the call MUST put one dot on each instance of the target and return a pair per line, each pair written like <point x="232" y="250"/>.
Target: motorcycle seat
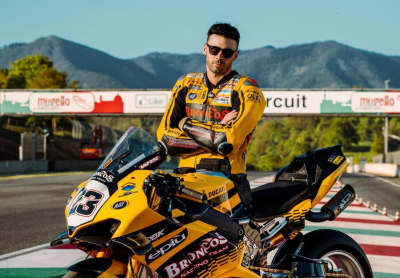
<point x="276" y="198"/>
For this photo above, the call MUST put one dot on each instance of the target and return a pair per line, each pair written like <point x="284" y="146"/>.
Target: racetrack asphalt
<point x="384" y="191"/>
<point x="32" y="208"/>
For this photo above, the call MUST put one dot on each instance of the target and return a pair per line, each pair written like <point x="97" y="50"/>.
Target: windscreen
<point x="135" y="145"/>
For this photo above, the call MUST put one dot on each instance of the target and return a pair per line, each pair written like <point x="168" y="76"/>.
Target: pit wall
<point x="22" y="167"/>
<point x="42" y="166"/>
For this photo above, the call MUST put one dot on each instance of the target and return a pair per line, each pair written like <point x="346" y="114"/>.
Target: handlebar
<point x="170" y="185"/>
<point x="197" y="195"/>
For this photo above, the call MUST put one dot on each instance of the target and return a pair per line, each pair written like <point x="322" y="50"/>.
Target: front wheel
<point x="337" y="248"/>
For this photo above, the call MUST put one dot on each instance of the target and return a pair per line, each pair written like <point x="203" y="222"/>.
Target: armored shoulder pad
<point x="250" y="82"/>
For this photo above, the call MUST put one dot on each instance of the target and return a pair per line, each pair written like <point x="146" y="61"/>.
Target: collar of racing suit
<point x="220" y="83"/>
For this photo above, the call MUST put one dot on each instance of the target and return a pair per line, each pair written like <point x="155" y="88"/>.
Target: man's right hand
<point x="181" y="123"/>
<point x="229" y="117"/>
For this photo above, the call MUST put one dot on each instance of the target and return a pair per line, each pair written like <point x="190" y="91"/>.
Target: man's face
<point x="218" y="64"/>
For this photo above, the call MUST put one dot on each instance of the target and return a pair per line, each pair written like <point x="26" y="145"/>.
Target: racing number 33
<point x="86" y="203"/>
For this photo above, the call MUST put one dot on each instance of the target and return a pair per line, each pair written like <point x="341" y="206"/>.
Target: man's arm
<point x="249" y="104"/>
<point x="226" y="120"/>
<point x="176" y="141"/>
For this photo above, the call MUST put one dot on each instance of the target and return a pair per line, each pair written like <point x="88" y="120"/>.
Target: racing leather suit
<point x="202" y="133"/>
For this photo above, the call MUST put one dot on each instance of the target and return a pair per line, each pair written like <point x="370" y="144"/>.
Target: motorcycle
<point x="135" y="222"/>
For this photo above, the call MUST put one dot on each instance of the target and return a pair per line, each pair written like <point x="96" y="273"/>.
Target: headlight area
<point x="96" y="236"/>
<point x="134" y="243"/>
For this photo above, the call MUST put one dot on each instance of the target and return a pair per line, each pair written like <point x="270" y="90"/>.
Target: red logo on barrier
<point x="113" y="106"/>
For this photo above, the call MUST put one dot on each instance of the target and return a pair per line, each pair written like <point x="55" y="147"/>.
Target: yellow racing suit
<point x="202" y="132"/>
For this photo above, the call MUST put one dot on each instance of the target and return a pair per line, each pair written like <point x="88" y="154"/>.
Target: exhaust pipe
<point x="334" y="206"/>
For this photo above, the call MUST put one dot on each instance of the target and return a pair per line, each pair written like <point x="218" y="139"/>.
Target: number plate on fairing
<point x="87" y="202"/>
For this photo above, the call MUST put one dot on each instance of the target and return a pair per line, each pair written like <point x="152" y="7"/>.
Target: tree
<point x="340" y="131"/>
<point x="377" y="144"/>
<point x="3" y="78"/>
<point x="35" y="72"/>
<point x="364" y="129"/>
<point x="394" y="128"/>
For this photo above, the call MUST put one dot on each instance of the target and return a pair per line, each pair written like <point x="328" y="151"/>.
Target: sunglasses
<point x="214" y="50"/>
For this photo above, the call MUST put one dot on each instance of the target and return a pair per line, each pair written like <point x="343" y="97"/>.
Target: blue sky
<point x="128" y="29"/>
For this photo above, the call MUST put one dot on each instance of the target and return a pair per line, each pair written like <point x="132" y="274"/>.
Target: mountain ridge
<point x="326" y="64"/>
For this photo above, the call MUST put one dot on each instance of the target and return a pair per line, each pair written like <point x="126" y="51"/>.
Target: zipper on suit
<point x="205" y="105"/>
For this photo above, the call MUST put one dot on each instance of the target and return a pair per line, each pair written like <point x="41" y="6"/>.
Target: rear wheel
<point x="347" y="262"/>
<point x="335" y="247"/>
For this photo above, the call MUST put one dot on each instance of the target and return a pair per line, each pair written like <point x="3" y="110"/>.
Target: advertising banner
<point x="284" y="103"/>
<point x="388" y="102"/>
<point x="62" y="102"/>
<point x="293" y="102"/>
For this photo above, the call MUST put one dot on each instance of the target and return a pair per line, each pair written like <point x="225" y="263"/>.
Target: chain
<point x="337" y="275"/>
<point x="266" y="269"/>
<point x="275" y="270"/>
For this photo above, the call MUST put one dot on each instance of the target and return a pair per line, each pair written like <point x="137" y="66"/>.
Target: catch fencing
<point x="34" y="145"/>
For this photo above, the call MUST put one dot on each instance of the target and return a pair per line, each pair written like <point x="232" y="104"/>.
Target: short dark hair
<point x="226" y="30"/>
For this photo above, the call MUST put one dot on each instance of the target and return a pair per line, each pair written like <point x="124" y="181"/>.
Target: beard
<point x="219" y="70"/>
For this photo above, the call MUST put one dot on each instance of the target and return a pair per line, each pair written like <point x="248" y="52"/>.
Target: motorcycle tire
<point x="334" y="246"/>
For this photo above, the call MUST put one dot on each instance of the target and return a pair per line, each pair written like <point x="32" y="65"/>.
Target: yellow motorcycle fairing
<point x="226" y="264"/>
<point x="137" y="215"/>
<point x="221" y="192"/>
<point x="134" y="216"/>
<point x="329" y="182"/>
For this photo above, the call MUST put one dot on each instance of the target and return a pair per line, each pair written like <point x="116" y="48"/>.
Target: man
<point x="212" y="115"/>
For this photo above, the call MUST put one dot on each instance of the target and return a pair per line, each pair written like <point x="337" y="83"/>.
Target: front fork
<point x="133" y="266"/>
<point x="116" y="267"/>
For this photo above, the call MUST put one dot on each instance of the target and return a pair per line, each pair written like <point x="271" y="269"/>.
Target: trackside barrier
<point x="21" y="167"/>
<point x="385" y="169"/>
<point x="73" y="165"/>
<point x="43" y="166"/>
<point x="87" y="165"/>
<point x="355" y="168"/>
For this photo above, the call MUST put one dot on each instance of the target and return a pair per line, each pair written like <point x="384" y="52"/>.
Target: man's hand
<point x="229" y="117"/>
<point x="181" y="123"/>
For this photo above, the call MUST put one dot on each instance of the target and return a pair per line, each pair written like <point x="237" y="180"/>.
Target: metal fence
<point x="33" y="146"/>
<point x="82" y="130"/>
